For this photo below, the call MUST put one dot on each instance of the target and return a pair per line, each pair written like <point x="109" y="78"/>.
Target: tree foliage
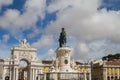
<point x="111" y="57"/>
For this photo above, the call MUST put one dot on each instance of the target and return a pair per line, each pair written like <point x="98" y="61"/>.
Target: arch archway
<point x="24" y="61"/>
<point x="23" y="71"/>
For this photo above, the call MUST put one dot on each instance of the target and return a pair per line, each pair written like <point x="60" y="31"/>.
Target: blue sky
<point x="92" y="26"/>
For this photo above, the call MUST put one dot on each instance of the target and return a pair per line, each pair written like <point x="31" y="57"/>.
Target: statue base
<point x="63" y="59"/>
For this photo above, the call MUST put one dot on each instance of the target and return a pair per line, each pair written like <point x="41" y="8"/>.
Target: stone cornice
<point x="24" y="49"/>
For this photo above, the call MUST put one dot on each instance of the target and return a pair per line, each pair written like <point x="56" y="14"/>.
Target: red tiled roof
<point x="112" y="63"/>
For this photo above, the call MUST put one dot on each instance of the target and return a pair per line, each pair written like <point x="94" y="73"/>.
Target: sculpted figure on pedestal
<point x="62" y="38"/>
<point x="24" y="44"/>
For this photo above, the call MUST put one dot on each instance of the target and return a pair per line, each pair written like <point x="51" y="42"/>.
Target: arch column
<point x="118" y="73"/>
<point x="89" y="74"/>
<point x="104" y="74"/>
<point x="3" y="73"/>
<point x="31" y="74"/>
<point x="16" y="73"/>
<point x="44" y="73"/>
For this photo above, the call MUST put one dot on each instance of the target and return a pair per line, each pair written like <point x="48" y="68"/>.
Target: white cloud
<point x="35" y="32"/>
<point x="49" y="55"/>
<point x="4" y="48"/>
<point x="51" y="52"/>
<point x="15" y="22"/>
<point x="37" y="7"/>
<point x="5" y="2"/>
<point x="44" y="41"/>
<point x="83" y="47"/>
<point x="83" y="21"/>
<point x="4" y="39"/>
<point x="81" y="51"/>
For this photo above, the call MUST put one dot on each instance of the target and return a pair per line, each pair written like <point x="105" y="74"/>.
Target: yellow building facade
<point x="107" y="70"/>
<point x="113" y="70"/>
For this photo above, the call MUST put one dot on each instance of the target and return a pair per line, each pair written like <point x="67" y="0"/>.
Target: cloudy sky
<point x="92" y="26"/>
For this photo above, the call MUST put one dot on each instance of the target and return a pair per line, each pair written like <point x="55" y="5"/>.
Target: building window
<point x="115" y="77"/>
<point x="108" y="78"/>
<point x="66" y="61"/>
<point x="112" y="77"/>
<point x="7" y="78"/>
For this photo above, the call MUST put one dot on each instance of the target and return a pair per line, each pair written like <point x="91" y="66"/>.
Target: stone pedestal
<point x="63" y="57"/>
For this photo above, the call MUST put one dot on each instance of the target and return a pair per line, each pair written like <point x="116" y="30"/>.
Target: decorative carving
<point x="24" y="55"/>
<point x="24" y="44"/>
<point x="63" y="52"/>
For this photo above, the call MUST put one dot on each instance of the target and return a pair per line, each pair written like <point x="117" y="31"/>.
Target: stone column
<point x="104" y="74"/>
<point x="90" y="74"/>
<point x="17" y="73"/>
<point x="85" y="76"/>
<point x="14" y="73"/>
<point x="118" y="73"/>
<point x="28" y="74"/>
<point x="3" y="76"/>
<point x="110" y="77"/>
<point x="9" y="73"/>
<point x="35" y="74"/>
<point x="44" y="73"/>
<point x="38" y="76"/>
<point x="31" y="74"/>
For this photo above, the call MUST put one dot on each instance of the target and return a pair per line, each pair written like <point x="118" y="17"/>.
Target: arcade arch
<point x="23" y="70"/>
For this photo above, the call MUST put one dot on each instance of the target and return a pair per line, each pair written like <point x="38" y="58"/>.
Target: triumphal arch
<point x="23" y="63"/>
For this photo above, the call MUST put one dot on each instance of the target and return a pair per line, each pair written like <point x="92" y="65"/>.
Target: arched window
<point x="112" y="77"/>
<point x="7" y="78"/>
<point x="115" y="77"/>
<point x="108" y="78"/>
